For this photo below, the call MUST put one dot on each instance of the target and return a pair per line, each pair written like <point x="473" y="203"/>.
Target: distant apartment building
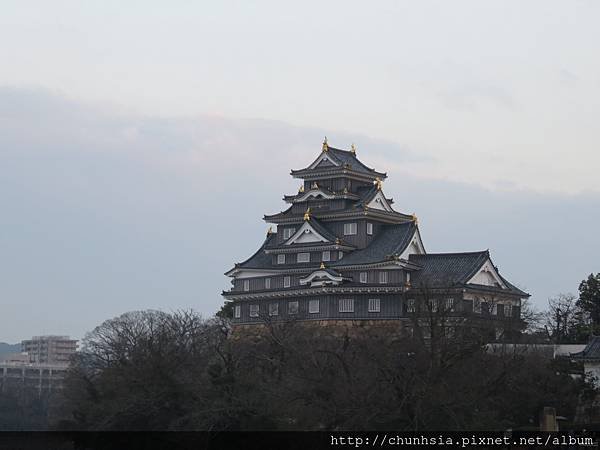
<point x="41" y="366"/>
<point x="49" y="349"/>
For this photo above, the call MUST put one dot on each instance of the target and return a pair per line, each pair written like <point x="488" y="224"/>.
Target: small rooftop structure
<point x="591" y="352"/>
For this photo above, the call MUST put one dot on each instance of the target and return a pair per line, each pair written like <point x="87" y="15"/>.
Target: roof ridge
<point x="340" y="150"/>
<point x="480" y="252"/>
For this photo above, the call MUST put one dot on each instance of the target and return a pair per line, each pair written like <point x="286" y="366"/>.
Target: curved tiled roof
<point x="367" y="195"/>
<point x="591" y="350"/>
<point x="391" y="240"/>
<point x="443" y="269"/>
<point x="439" y="270"/>
<point x="343" y="157"/>
<point x="347" y="157"/>
<point x="259" y="260"/>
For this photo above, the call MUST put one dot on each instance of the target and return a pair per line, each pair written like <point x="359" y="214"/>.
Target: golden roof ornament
<point x="301" y="190"/>
<point x="270" y="231"/>
<point x="322" y="265"/>
<point x="307" y="214"/>
<point x="353" y="149"/>
<point x="338" y="241"/>
<point x="378" y="183"/>
<point x="315" y="185"/>
<point x="325" y="146"/>
<point x="415" y="219"/>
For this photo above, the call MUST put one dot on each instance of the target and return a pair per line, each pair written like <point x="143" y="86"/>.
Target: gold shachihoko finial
<point x="301" y="190"/>
<point x="307" y="214"/>
<point x="415" y="219"/>
<point x="378" y="183"/>
<point x="353" y="149"/>
<point x="325" y="146"/>
<point x="270" y="231"/>
<point x="315" y="185"/>
<point x="322" y="265"/>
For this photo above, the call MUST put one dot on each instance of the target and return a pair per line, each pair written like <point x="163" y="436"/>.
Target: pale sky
<point x="116" y="110"/>
<point x="503" y="93"/>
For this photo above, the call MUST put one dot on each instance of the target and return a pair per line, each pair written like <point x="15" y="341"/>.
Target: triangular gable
<point x="487" y="275"/>
<point x="323" y="160"/>
<point x="415" y="247"/>
<point x="380" y="202"/>
<point x="306" y="234"/>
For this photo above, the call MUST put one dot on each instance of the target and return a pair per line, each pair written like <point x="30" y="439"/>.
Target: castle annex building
<point x="342" y="252"/>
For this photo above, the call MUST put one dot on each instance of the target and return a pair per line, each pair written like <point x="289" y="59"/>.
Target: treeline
<point x="570" y="318"/>
<point x="152" y="370"/>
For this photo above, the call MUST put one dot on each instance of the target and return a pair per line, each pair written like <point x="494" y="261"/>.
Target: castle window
<point x="273" y="309"/>
<point x="303" y="257"/>
<point x="293" y="308"/>
<point x="288" y="233"/>
<point x="383" y="277"/>
<point x="363" y="277"/>
<point x="449" y="305"/>
<point x="246" y="285"/>
<point x="267" y="283"/>
<point x="254" y="310"/>
<point x="346" y="305"/>
<point x="281" y="259"/>
<point x="369" y="228"/>
<point x="313" y="306"/>
<point x="350" y="228"/>
<point x="410" y="305"/>
<point x="237" y="311"/>
<point x="374" y="305"/>
<point x="477" y="305"/>
<point x="508" y="310"/>
<point x="287" y="282"/>
<point x="494" y="309"/>
<point x="326" y="256"/>
<point x="433" y="305"/>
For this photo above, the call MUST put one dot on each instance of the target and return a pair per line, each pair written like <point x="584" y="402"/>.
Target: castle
<point x="341" y="252"/>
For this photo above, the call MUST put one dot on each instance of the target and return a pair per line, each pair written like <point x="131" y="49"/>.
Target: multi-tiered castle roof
<point x="340" y="242"/>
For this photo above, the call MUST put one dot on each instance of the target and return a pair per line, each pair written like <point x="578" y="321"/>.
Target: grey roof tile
<point x="591" y="350"/>
<point x="441" y="270"/>
<point x="347" y="157"/>
<point x="390" y="240"/>
<point x="260" y="260"/>
<point x="444" y="269"/>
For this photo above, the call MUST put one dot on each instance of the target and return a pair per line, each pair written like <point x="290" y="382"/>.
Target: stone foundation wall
<point x="326" y="328"/>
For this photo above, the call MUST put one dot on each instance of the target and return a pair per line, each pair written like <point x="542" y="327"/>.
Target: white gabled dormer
<point x="415" y="247"/>
<point x="487" y="275"/>
<point x="380" y="202"/>
<point x="306" y="234"/>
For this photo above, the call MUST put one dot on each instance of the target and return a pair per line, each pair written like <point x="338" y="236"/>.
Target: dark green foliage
<point x="157" y="371"/>
<point x="23" y="408"/>
<point x="226" y="311"/>
<point x="589" y="297"/>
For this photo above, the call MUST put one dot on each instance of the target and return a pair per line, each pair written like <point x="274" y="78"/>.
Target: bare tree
<point x="562" y="319"/>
